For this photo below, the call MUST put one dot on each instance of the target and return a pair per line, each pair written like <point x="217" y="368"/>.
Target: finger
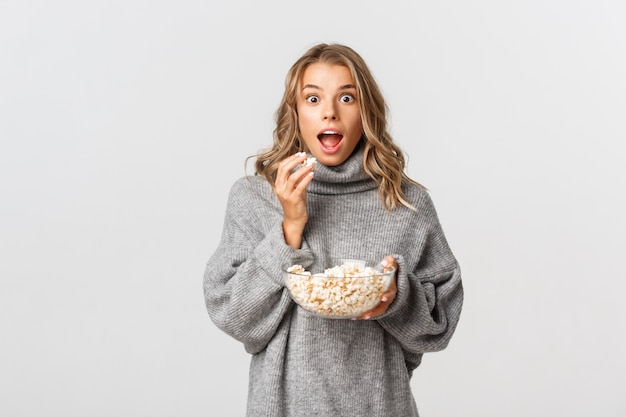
<point x="294" y="187"/>
<point x="388" y="296"/>
<point x="286" y="167"/>
<point x="292" y="161"/>
<point x="289" y="163"/>
<point x="302" y="178"/>
<point x="375" y="312"/>
<point x="389" y="262"/>
<point x="379" y="309"/>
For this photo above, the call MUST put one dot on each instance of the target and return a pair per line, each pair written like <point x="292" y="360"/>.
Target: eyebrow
<point x="343" y="87"/>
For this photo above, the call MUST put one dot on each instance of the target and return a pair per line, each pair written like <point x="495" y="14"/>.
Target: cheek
<point x="305" y="121"/>
<point x="357" y="126"/>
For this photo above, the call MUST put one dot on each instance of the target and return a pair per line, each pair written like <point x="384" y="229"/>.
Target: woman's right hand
<point x="290" y="188"/>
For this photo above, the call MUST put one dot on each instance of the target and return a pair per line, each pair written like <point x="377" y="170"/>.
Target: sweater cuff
<point x="273" y="254"/>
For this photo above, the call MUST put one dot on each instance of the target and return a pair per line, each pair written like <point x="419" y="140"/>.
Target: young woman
<point x="356" y="203"/>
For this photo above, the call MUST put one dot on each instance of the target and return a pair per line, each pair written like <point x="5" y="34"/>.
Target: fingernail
<point x="384" y="262"/>
<point x="384" y="299"/>
<point x="366" y="317"/>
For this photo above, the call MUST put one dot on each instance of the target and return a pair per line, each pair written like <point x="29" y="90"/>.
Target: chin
<point x="332" y="161"/>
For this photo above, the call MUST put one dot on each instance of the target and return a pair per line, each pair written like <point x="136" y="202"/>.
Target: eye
<point x="347" y="98"/>
<point x="312" y="99"/>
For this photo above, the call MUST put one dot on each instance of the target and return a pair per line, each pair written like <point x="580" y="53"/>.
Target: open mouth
<point x="329" y="138"/>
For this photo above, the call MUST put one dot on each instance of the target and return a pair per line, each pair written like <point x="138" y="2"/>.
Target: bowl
<point x="344" y="291"/>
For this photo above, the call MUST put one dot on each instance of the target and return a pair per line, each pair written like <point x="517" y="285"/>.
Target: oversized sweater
<point x="304" y="365"/>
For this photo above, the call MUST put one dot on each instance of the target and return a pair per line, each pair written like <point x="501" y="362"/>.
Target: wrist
<point x="293" y="233"/>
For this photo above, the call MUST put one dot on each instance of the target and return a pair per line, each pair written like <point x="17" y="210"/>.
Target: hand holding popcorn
<point x="388" y="296"/>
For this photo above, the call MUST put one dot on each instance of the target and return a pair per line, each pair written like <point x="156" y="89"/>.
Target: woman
<point x="356" y="203"/>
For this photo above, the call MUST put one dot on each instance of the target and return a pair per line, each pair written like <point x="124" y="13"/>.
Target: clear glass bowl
<point x="344" y="291"/>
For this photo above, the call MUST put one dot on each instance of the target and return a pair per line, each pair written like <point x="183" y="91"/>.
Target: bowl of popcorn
<point x="344" y="291"/>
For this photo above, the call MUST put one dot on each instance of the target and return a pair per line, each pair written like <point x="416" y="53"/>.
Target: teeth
<point x="330" y="132"/>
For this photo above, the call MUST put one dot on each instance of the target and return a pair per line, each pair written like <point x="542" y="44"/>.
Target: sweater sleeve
<point x="243" y="285"/>
<point x="427" y="307"/>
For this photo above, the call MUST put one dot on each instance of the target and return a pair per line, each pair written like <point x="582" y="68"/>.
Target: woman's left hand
<point x="388" y="296"/>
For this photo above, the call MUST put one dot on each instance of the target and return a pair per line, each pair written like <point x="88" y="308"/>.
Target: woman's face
<point x="328" y="112"/>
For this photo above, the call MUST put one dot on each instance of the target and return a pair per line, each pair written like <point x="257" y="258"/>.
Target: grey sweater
<point x="304" y="365"/>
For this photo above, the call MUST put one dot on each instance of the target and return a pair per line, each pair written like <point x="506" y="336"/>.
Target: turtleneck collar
<point x="349" y="177"/>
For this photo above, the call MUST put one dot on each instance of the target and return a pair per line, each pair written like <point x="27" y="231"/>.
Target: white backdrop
<point x="123" y="124"/>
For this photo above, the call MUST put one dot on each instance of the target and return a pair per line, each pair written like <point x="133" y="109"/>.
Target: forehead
<point x="324" y="75"/>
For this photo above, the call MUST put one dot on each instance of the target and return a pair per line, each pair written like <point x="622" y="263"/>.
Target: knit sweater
<point x="303" y="365"/>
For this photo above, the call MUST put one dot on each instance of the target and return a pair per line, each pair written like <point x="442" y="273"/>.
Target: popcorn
<point x="343" y="291"/>
<point x="310" y="161"/>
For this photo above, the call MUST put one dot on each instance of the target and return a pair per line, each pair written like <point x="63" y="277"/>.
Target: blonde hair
<point x="383" y="160"/>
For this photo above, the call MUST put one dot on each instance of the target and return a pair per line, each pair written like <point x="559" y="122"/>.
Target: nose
<point x="329" y="112"/>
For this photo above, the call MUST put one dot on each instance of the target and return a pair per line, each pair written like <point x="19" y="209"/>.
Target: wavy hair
<point x="383" y="160"/>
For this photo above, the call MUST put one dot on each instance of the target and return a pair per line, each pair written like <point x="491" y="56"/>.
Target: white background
<point x="123" y="124"/>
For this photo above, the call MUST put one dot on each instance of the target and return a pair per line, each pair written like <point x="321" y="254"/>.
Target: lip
<point x="330" y="130"/>
<point x="332" y="149"/>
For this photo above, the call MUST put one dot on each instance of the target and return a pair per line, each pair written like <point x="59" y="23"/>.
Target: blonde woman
<point x="354" y="202"/>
